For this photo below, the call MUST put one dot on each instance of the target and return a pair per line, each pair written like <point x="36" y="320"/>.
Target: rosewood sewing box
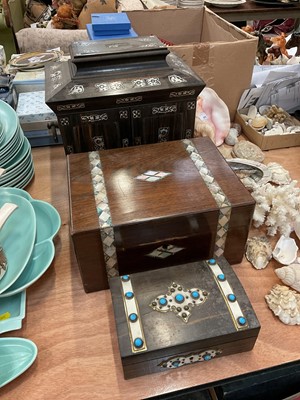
<point x="181" y="315"/>
<point x="122" y="92"/>
<point x="153" y="206"/>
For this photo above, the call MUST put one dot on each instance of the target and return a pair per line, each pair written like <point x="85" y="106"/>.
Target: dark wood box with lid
<point x="181" y="315"/>
<point x="119" y="93"/>
<point x="152" y="206"/>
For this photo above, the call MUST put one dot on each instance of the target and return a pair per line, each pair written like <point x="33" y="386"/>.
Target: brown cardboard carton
<point x="220" y="53"/>
<point x="268" y="142"/>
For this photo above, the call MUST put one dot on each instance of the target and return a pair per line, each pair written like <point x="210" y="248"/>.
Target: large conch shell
<point x="285" y="304"/>
<point x="285" y="250"/>
<point x="290" y="275"/>
<point x="258" y="251"/>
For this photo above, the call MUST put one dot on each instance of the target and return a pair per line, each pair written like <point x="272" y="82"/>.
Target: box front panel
<point x="99" y="129"/>
<point x="162" y="122"/>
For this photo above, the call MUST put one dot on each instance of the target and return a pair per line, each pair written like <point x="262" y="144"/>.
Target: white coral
<point x="277" y="207"/>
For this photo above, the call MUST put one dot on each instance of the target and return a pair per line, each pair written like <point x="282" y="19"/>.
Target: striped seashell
<point x="290" y="275"/>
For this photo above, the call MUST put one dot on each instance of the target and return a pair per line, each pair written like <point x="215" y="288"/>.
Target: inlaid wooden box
<point x="181" y="315"/>
<point x="152" y="206"/>
<point x="120" y="93"/>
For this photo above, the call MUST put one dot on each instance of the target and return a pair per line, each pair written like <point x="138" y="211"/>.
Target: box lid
<point x="103" y="22"/>
<point x="109" y="70"/>
<point x="180" y="309"/>
<point x="105" y="35"/>
<point x="178" y="192"/>
<point x="32" y="108"/>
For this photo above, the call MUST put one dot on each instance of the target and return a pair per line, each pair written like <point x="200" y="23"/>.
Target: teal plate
<point x="16" y="191"/>
<point x="12" y="312"/>
<point x="16" y="356"/>
<point x="17" y="238"/>
<point x="42" y="257"/>
<point x="48" y="223"/>
<point x="9" y="121"/>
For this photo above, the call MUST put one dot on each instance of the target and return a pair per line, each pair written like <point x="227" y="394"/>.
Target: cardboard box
<point x="269" y="142"/>
<point x="173" y="318"/>
<point x="220" y="53"/>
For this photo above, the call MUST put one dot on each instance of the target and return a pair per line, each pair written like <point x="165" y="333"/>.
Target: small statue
<point x="281" y="42"/>
<point x="294" y="41"/>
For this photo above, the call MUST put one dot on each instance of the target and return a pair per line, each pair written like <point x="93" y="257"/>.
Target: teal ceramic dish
<point x="48" y="220"/>
<point x="16" y="356"/>
<point x="10" y="122"/>
<point x="42" y="257"/>
<point x="16" y="191"/>
<point x="12" y="312"/>
<point x="17" y="238"/>
<point x="48" y="223"/>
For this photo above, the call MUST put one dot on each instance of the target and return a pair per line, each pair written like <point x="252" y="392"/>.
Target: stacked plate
<point x="16" y="163"/>
<point x="27" y="241"/>
<point x="190" y="3"/>
<point x="225" y="3"/>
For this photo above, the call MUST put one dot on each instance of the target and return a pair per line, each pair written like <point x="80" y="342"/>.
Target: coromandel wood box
<point x="122" y="92"/>
<point x="152" y="206"/>
<point x="181" y="315"/>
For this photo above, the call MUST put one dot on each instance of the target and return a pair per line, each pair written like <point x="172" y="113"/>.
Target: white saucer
<point x="225" y="4"/>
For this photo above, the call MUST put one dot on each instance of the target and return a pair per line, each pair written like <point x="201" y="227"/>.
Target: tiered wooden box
<point x="120" y="93"/>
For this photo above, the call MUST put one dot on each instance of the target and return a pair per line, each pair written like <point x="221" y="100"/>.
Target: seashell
<point x="285" y="304"/>
<point x="258" y="251"/>
<point x="252" y="111"/>
<point x="285" y="251"/>
<point x="293" y="129"/>
<point x="244" y="117"/>
<point x="280" y="176"/>
<point x="264" y="109"/>
<point x="290" y="275"/>
<point x="232" y="137"/>
<point x="297" y="226"/>
<point x="259" y="122"/>
<point x="276" y="130"/>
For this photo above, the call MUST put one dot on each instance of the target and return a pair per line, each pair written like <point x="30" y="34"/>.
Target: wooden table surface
<point x="252" y="10"/>
<point x="75" y="332"/>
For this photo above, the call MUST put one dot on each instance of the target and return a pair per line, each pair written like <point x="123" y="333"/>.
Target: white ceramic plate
<point x="225" y="4"/>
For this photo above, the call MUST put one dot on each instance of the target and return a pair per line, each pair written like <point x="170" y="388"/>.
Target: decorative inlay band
<point x="104" y="216"/>
<point x="179" y="300"/>
<point x="217" y="193"/>
<point x="180" y="361"/>
<point x="230" y="299"/>
<point x="134" y="322"/>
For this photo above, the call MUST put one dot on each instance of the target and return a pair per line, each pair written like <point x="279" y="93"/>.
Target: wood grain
<point x="75" y="332"/>
<point x="178" y="210"/>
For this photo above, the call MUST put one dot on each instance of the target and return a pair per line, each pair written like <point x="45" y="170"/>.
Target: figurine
<point x="294" y="41"/>
<point x="281" y="42"/>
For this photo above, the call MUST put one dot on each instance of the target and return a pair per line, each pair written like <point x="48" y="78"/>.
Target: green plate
<point x="12" y="307"/>
<point x="9" y="121"/>
<point x="42" y="257"/>
<point x="16" y="356"/>
<point x="17" y="238"/>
